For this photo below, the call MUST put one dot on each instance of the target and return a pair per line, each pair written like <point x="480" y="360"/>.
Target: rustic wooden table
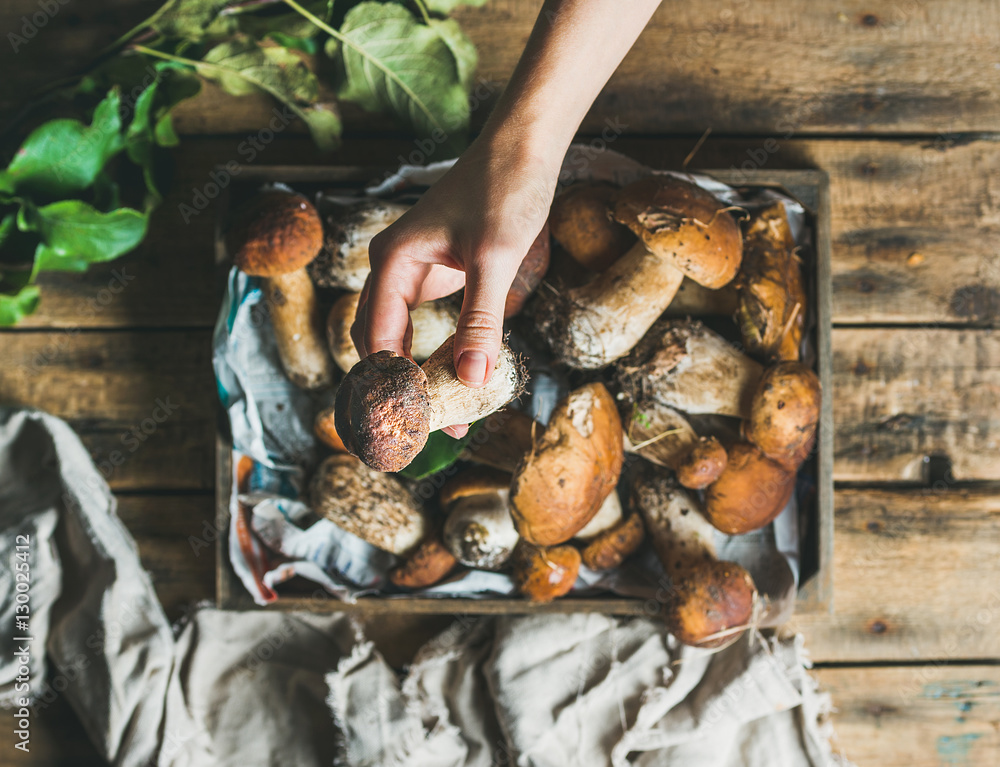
<point x="898" y="101"/>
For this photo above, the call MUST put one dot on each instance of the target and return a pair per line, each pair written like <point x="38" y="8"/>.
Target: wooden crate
<point x="810" y="187"/>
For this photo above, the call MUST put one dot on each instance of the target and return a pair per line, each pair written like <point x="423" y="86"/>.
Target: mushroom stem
<point x="298" y="333"/>
<point x="452" y="402"/>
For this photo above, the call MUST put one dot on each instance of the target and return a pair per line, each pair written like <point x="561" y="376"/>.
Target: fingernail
<point x="472" y="368"/>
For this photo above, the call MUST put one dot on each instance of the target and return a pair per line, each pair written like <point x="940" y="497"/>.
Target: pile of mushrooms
<point x="717" y="414"/>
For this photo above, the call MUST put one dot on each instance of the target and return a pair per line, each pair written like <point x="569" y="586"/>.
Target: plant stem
<point x="345" y="40"/>
<point x="423" y="11"/>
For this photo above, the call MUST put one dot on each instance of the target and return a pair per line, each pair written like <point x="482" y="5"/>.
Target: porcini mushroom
<point x="387" y="405"/>
<point x="432" y="321"/>
<point x="703" y="465"/>
<point x="751" y="491"/>
<point x="772" y="295"/>
<point x="371" y="505"/>
<point x="429" y="563"/>
<point x="582" y="225"/>
<point x="572" y="468"/>
<point x="686" y="366"/>
<point x="682" y="230"/>
<point x="274" y="237"/>
<point x="543" y="574"/>
<point x="503" y="440"/>
<point x="657" y="432"/>
<point x="709" y="600"/>
<point x="479" y="531"/>
<point x="614" y="545"/>
<point x="785" y="413"/>
<point x="326" y="430"/>
<point x="609" y="515"/>
<point x="348" y="232"/>
<point x="529" y="274"/>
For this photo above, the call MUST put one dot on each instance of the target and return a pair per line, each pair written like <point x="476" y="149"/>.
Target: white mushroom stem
<point x="609" y="515"/>
<point x="690" y="368"/>
<point x="681" y="535"/>
<point x="291" y="301"/>
<point x="452" y="402"/>
<point x="479" y="531"/>
<point x="606" y="317"/>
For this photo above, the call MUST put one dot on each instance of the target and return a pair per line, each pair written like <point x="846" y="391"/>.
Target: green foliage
<point x="440" y="452"/>
<point x="417" y="72"/>
<point x="445" y="7"/>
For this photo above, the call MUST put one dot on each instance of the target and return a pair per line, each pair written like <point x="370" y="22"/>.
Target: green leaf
<point x="462" y="49"/>
<point x="243" y="67"/>
<point x="440" y="452"/>
<point x="394" y="63"/>
<point x="7" y="227"/>
<point x="445" y="7"/>
<point x="63" y="157"/>
<point x="75" y="235"/>
<point x="307" y="45"/>
<point x="191" y="19"/>
<point x="16" y="301"/>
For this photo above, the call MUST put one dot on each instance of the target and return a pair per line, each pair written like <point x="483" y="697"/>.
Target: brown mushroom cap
<point x="275" y="233"/>
<point x="750" y="492"/>
<point x="474" y="481"/>
<point x="572" y="468"/>
<point x="713" y="598"/>
<point x="543" y="574"/>
<point x="785" y="413"/>
<point x="529" y="275"/>
<point x="383" y="411"/>
<point x="581" y="224"/>
<point x="326" y="430"/>
<point x="371" y="505"/>
<point x="615" y="545"/>
<point x="703" y="465"/>
<point x="684" y="224"/>
<point x="428" y="564"/>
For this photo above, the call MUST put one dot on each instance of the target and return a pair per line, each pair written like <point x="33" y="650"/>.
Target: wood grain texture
<point x="902" y="214"/>
<point x="902" y="396"/>
<point x="144" y="403"/>
<point x="763" y="67"/>
<point x="916" y="575"/>
<point x="916" y="716"/>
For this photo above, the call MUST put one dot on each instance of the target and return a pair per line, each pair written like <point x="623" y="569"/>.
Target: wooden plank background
<point x="898" y="101"/>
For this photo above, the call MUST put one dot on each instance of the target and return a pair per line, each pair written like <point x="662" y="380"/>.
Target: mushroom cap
<point x="785" y="413"/>
<point x="561" y="484"/>
<point x="543" y="574"/>
<point x="325" y="428"/>
<point x="750" y="492"/>
<point x="615" y="545"/>
<point x="275" y="233"/>
<point x="712" y="598"/>
<point x="685" y="225"/>
<point x="581" y="223"/>
<point x="383" y="411"/>
<point x="428" y="564"/>
<point x="368" y="504"/>
<point x="478" y="480"/>
<point x="703" y="465"/>
<point x="529" y="275"/>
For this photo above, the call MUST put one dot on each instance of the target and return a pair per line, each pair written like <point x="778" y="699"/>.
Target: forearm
<point x="573" y="50"/>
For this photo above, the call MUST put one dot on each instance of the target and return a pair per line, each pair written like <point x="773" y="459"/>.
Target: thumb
<point x="480" y="326"/>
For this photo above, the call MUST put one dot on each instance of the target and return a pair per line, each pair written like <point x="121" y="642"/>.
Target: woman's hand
<point x="472" y="228"/>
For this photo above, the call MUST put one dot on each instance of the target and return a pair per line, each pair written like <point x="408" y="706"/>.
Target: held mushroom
<point x="367" y="503"/>
<point x="543" y="574"/>
<point x="274" y="237"/>
<point x="433" y="322"/>
<point x="428" y="564"/>
<point x="572" y="468"/>
<point x="751" y="491"/>
<point x="686" y="366"/>
<point x="683" y="230"/>
<point x="772" y="295"/>
<point x="348" y="232"/>
<point x="387" y="405"/>
<point x="707" y="597"/>
<point x="703" y="465"/>
<point x="479" y="531"/>
<point x="785" y="413"/>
